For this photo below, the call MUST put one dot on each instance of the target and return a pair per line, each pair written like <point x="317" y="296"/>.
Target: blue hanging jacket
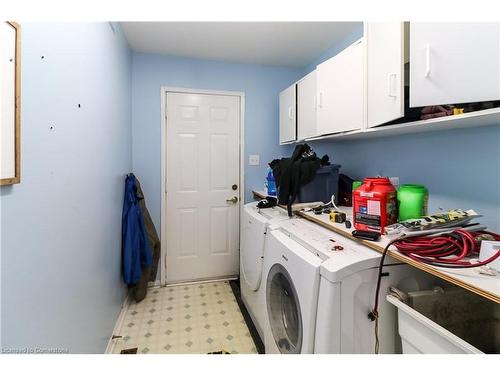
<point x="136" y="249"/>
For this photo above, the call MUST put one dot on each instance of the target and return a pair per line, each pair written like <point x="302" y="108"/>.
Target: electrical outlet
<point x="254" y="160"/>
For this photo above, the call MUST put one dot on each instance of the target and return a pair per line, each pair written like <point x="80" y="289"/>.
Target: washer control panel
<point x="319" y="241"/>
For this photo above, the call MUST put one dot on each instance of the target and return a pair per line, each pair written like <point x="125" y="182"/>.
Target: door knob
<point x="233" y="200"/>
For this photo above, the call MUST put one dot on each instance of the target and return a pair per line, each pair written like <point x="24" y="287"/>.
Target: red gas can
<point x="374" y="204"/>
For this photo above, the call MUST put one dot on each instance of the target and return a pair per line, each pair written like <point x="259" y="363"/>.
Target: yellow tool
<point x="337" y="217"/>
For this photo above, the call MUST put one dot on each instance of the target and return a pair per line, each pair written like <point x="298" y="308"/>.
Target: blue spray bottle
<point x="271" y="183"/>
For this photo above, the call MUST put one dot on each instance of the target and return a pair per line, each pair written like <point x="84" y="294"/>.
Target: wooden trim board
<point x="483" y="285"/>
<point x="17" y="178"/>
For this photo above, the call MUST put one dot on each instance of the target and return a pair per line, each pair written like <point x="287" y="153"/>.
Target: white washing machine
<point x="291" y="292"/>
<point x="317" y="297"/>
<point x="254" y="225"/>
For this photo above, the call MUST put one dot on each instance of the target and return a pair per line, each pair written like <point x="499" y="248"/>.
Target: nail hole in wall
<point x="79" y="106"/>
<point x="51" y="127"/>
<point x="42" y="57"/>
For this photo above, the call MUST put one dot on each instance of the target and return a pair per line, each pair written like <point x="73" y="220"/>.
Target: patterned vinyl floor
<point x="186" y="319"/>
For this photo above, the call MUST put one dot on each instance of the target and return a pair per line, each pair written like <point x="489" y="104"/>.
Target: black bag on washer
<point x="292" y="173"/>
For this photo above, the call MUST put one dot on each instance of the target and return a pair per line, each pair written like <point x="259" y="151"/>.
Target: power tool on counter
<point x="337" y="217"/>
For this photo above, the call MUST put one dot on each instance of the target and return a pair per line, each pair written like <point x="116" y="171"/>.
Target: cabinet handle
<point x="320" y="105"/>
<point x="427" y="60"/>
<point x="290" y="113"/>
<point x="391" y="83"/>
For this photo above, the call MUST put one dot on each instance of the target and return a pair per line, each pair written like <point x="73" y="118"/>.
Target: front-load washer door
<point x="283" y="309"/>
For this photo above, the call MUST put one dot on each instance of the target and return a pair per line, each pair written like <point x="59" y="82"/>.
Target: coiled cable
<point x="447" y="250"/>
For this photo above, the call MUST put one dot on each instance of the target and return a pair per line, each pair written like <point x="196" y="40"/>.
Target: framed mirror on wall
<point x="10" y="103"/>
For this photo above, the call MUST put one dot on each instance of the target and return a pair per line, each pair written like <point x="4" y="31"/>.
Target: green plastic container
<point x="412" y="201"/>
<point x="356" y="184"/>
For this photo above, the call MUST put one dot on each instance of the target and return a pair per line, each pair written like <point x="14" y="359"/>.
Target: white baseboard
<point x="119" y="322"/>
<point x="154" y="284"/>
<point x="229" y="278"/>
<point x="118" y="325"/>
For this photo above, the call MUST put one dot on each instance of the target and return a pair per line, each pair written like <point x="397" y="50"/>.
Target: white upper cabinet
<point x="306" y="107"/>
<point x="288" y="123"/>
<point x="365" y="85"/>
<point x="454" y="63"/>
<point x="340" y="91"/>
<point x="385" y="71"/>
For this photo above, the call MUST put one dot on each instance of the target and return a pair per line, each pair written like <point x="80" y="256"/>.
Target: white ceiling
<point x="293" y="44"/>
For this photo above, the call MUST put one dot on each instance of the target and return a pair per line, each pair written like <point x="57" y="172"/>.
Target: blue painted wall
<point x="261" y="85"/>
<point x="459" y="167"/>
<point x="60" y="229"/>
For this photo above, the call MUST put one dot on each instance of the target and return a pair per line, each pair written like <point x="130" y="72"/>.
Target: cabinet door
<point x="288" y="125"/>
<point x="454" y="63"/>
<point x="306" y="107"/>
<point x="385" y="69"/>
<point x="341" y="91"/>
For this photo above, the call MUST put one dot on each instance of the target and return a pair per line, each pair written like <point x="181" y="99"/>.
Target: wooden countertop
<point x="467" y="278"/>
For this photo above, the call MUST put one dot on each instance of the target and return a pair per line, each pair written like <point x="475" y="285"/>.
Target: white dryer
<point x="346" y="296"/>
<point x="254" y="225"/>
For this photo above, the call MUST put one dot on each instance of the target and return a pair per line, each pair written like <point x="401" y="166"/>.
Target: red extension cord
<point x="447" y="250"/>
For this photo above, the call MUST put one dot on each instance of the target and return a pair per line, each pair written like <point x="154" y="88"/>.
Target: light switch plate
<point x="254" y="160"/>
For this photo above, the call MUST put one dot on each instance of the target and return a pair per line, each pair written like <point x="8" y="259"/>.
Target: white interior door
<point x="385" y="64"/>
<point x="202" y="186"/>
<point x="454" y="62"/>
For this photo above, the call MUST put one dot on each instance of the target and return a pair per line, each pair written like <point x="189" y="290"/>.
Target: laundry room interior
<point x="253" y="187"/>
